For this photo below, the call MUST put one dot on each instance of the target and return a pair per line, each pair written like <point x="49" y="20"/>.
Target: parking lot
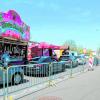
<point x="35" y="82"/>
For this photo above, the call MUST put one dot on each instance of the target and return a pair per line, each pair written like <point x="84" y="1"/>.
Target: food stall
<point x="44" y="49"/>
<point x="14" y="35"/>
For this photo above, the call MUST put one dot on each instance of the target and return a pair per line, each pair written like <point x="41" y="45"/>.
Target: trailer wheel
<point x="17" y="78"/>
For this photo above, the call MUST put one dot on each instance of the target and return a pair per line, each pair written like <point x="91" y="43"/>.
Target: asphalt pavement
<point x="37" y="83"/>
<point x="85" y="86"/>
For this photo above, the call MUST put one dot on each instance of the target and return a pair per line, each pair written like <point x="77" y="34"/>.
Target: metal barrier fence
<point x="20" y="77"/>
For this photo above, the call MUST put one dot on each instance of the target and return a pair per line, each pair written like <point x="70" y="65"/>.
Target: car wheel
<point x="63" y="70"/>
<point x="17" y="78"/>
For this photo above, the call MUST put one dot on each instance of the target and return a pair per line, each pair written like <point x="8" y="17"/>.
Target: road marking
<point x="52" y="83"/>
<point x="10" y="98"/>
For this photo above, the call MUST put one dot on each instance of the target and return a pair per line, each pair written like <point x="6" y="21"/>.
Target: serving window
<point x="16" y="49"/>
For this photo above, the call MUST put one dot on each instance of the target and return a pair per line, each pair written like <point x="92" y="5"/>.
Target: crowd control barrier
<point x="20" y="77"/>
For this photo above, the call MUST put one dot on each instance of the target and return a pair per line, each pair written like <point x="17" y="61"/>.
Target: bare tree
<point x="72" y="45"/>
<point x="98" y="51"/>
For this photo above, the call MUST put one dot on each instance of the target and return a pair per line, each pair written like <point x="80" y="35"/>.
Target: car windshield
<point x="35" y="59"/>
<point x="79" y="57"/>
<point x="44" y="59"/>
<point x="64" y="58"/>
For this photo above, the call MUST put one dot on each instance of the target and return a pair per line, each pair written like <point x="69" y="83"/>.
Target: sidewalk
<point x="82" y="87"/>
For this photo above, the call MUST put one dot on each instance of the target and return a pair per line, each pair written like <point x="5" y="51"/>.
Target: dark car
<point x="44" y="65"/>
<point x="69" y="60"/>
<point x="42" y="59"/>
<point x="16" y="61"/>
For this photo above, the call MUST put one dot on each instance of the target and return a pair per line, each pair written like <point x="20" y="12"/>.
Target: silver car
<point x="69" y="60"/>
<point x="81" y="60"/>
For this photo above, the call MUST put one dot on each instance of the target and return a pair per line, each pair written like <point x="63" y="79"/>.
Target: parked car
<point x="81" y="60"/>
<point x="17" y="61"/>
<point x="43" y="65"/>
<point x="69" y="60"/>
<point x="42" y="59"/>
<point x="15" y="75"/>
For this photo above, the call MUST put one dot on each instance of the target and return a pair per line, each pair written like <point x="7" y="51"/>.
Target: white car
<point x="81" y="60"/>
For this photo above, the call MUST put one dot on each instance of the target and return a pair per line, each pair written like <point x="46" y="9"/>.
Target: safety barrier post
<point x="7" y="83"/>
<point x="50" y="80"/>
<point x="71" y="69"/>
<point x="4" y="84"/>
<point x="83" y="67"/>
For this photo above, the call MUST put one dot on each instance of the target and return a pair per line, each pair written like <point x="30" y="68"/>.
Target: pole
<point x="50" y="74"/>
<point x="71" y="69"/>
<point x="4" y="86"/>
<point x="83" y="66"/>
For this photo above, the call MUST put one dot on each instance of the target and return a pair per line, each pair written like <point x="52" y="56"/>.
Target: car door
<point x="46" y="66"/>
<point x="73" y="61"/>
<point x="59" y="65"/>
<point x="52" y="66"/>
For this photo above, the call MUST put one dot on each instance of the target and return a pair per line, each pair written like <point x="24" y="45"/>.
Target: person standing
<point x="5" y="58"/>
<point x="95" y="61"/>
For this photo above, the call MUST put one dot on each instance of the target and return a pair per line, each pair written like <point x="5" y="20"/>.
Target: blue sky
<point x="56" y="21"/>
